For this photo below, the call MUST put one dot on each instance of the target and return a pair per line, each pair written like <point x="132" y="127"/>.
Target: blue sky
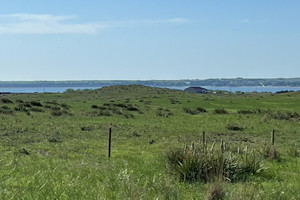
<point x="148" y="39"/>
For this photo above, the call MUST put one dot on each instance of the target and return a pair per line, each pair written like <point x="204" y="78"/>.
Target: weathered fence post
<point x="204" y="139"/>
<point x="273" y="137"/>
<point x="109" y="141"/>
<point x="222" y="145"/>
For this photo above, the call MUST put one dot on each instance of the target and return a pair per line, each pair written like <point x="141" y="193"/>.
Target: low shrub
<point x="21" y="108"/>
<point x="55" y="108"/>
<point x="192" y="164"/>
<point x="86" y="128"/>
<point x="6" y="111"/>
<point x="5" y="107"/>
<point x="216" y="191"/>
<point x="247" y="111"/>
<point x="270" y="152"/>
<point x="132" y="108"/>
<point x="220" y="111"/>
<point x="128" y="115"/>
<point x="200" y="109"/>
<point x="51" y="102"/>
<point x="234" y="127"/>
<point x="279" y="115"/>
<point x="19" y="101"/>
<point x="60" y="113"/>
<point x="94" y="106"/>
<point x="163" y="112"/>
<point x="293" y="152"/>
<point x="194" y="112"/>
<point x="65" y="106"/>
<point x="5" y="100"/>
<point x="36" y="103"/>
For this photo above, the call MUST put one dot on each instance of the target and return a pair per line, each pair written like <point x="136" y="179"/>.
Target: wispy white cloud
<point x="245" y="20"/>
<point x="45" y="24"/>
<point x="61" y="24"/>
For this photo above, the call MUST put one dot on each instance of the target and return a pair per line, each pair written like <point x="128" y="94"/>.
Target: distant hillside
<point x="232" y="82"/>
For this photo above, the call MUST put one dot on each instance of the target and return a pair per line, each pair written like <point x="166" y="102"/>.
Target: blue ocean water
<point x="63" y="89"/>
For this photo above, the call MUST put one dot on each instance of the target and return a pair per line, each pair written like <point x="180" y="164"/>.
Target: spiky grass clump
<point x="270" y="152"/>
<point x="216" y="191"/>
<point x="196" y="164"/>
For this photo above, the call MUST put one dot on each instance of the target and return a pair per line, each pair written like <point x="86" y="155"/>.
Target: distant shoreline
<point x="228" y="82"/>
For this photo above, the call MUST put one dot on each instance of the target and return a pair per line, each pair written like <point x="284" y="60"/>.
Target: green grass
<point x="64" y="156"/>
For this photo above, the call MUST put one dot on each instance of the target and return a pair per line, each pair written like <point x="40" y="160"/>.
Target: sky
<point x="148" y="39"/>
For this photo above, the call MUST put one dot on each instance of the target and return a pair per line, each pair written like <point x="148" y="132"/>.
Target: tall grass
<point x="197" y="164"/>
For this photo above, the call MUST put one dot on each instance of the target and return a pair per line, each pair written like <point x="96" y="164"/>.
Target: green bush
<point x="5" y="100"/>
<point x="197" y="111"/>
<point x="220" y="111"/>
<point x="293" y="152"/>
<point x="36" y="103"/>
<point x="270" y="152"/>
<point x="60" y="113"/>
<point x="199" y="165"/>
<point x="234" y="127"/>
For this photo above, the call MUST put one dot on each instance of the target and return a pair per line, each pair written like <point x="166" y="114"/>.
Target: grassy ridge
<point x="58" y="150"/>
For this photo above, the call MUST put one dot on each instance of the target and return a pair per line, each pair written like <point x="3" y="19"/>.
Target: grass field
<point x="54" y="146"/>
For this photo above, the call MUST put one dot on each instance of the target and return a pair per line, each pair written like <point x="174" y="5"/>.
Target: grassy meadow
<point x="54" y="146"/>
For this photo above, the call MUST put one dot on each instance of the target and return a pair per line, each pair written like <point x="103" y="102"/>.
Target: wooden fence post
<point x="109" y="142"/>
<point x="204" y="139"/>
<point x="273" y="137"/>
<point x="222" y="145"/>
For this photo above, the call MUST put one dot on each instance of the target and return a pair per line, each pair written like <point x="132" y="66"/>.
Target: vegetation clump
<point x="161" y="112"/>
<point x="220" y="111"/>
<point x="5" y="100"/>
<point x="235" y="127"/>
<point x="60" y="113"/>
<point x="36" y="103"/>
<point x="197" y="111"/>
<point x="6" y="111"/>
<point x="197" y="164"/>
<point x="216" y="191"/>
<point x="270" y="152"/>
<point x="111" y="109"/>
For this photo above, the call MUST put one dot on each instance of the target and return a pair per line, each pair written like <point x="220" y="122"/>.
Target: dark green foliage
<point x="6" y="111"/>
<point x="51" y="102"/>
<point x="5" y="100"/>
<point x="5" y="107"/>
<point x="279" y="115"/>
<point x="174" y="101"/>
<point x="21" y="108"/>
<point x="192" y="164"/>
<point x="293" y="152"/>
<point x="197" y="111"/>
<point x="55" y="139"/>
<point x="65" y="106"/>
<point x="24" y="151"/>
<point x="19" y="101"/>
<point x="86" y="128"/>
<point x="94" y="106"/>
<point x="161" y="112"/>
<point x="235" y="127"/>
<point x="55" y="108"/>
<point x="60" y="113"/>
<point x="270" y="152"/>
<point x="128" y="115"/>
<point x="247" y="111"/>
<point x="132" y="108"/>
<point x="216" y="192"/>
<point x="220" y="111"/>
<point x="36" y="103"/>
